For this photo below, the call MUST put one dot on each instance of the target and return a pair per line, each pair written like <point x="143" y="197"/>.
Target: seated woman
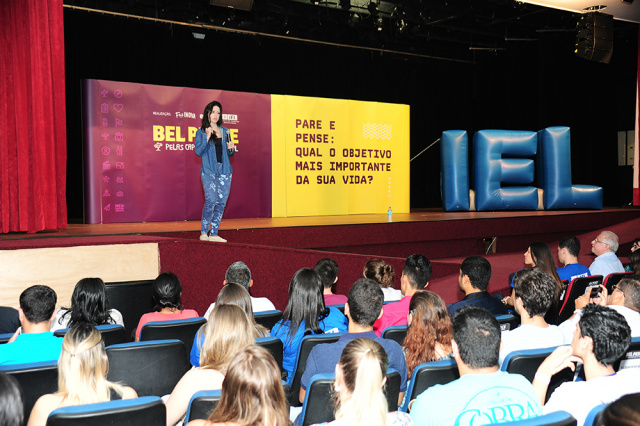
<point x="229" y="331"/>
<point x="231" y="294"/>
<point x="89" y="305"/>
<point x="305" y="314"/>
<point x="634" y="262"/>
<point x="360" y="377"/>
<point x="429" y="332"/>
<point x="382" y="273"/>
<point x="167" y="293"/>
<point x="252" y="393"/>
<point x="82" y="375"/>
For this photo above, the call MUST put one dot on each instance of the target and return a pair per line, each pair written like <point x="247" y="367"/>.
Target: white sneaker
<point x="217" y="239"/>
<point x="204" y="237"/>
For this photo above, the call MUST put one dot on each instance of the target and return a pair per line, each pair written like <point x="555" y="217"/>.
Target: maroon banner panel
<point x="140" y="159"/>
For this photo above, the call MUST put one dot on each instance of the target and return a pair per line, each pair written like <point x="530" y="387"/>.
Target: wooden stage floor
<point x="423" y="215"/>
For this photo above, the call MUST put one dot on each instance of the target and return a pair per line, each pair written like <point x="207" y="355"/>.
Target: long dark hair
<point x="207" y="111"/>
<point x="89" y="304"/>
<point x="167" y="292"/>
<point x="543" y="259"/>
<point x="305" y="304"/>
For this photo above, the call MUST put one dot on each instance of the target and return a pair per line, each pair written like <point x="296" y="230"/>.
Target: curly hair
<point x="379" y="271"/>
<point x="430" y="325"/>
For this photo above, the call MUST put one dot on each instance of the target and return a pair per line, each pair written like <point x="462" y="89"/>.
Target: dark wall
<point x="530" y="86"/>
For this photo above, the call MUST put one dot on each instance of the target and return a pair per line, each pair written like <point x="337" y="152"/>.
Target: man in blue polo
<point x="34" y="342"/>
<point x="363" y="308"/>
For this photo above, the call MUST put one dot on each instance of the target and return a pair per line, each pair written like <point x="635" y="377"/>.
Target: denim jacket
<point x="207" y="151"/>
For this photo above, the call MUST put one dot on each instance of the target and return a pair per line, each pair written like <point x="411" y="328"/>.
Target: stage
<point x="274" y="248"/>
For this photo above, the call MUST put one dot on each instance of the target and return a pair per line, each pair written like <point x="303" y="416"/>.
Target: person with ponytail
<point x="167" y="294"/>
<point x="82" y="375"/>
<point x="382" y="273"/>
<point x="359" y="387"/>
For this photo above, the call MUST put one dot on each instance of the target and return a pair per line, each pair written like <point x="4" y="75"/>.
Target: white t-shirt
<point x="60" y="323"/>
<point x="258" y="304"/>
<point x="530" y="337"/>
<point x="633" y="319"/>
<point x="391" y="294"/>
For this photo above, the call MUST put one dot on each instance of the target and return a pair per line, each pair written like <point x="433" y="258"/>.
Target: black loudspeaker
<point x="595" y="37"/>
<point x="235" y="4"/>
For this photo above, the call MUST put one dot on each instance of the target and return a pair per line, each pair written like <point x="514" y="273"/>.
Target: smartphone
<point x="595" y="291"/>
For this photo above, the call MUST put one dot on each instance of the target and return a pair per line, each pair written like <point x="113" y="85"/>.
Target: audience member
<point x="568" y="251"/>
<point x="482" y="391"/>
<point x="9" y="320"/>
<point x="360" y="378"/>
<point x="11" y="401"/>
<point x="601" y="338"/>
<point x="82" y="375"/>
<point x="534" y="292"/>
<point x="252" y="394"/>
<point x="362" y="309"/>
<point x="430" y="331"/>
<point x="33" y="341"/>
<point x="230" y="294"/>
<point x="636" y="245"/>
<point x="383" y="273"/>
<point x="167" y="295"/>
<point x="415" y="276"/>
<point x="473" y="280"/>
<point x="305" y="314"/>
<point x="229" y="332"/>
<point x="239" y="273"/>
<point x="604" y="246"/>
<point x="634" y="262"/>
<point x="89" y="305"/>
<point x="624" y="299"/>
<point x="327" y="270"/>
<point x="625" y="411"/>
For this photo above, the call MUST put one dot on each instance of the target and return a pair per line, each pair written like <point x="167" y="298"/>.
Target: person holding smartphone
<point x="213" y="143"/>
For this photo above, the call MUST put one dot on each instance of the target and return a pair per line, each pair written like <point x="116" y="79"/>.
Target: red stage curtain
<point x="33" y="135"/>
<point x="636" y="169"/>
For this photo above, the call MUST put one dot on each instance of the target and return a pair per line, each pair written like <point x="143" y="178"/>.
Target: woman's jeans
<point x="216" y="193"/>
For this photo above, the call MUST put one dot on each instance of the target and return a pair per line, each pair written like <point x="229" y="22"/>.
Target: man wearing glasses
<point x="604" y="247"/>
<point x="624" y="299"/>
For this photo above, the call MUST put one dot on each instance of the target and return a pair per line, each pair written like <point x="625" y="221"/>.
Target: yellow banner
<point x="338" y="157"/>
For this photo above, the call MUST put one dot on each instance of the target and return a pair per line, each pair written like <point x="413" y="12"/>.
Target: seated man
<point x="624" y="299"/>
<point x="483" y="394"/>
<point x="362" y="309"/>
<point x="34" y="342"/>
<point x="327" y="269"/>
<point x="601" y="337"/>
<point x="415" y="276"/>
<point x="534" y="291"/>
<point x="604" y="247"/>
<point x="568" y="251"/>
<point x="473" y="280"/>
<point x="9" y="320"/>
<point x="239" y="273"/>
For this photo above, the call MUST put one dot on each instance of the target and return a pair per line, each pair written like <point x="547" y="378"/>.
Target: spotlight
<point x="354" y="20"/>
<point x="377" y="23"/>
<point x="316" y="2"/>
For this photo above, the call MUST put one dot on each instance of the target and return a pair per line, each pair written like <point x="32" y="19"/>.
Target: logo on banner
<point x="185" y="114"/>
<point x="162" y="113"/>
<point x="230" y="118"/>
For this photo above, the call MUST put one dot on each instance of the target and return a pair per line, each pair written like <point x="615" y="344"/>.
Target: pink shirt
<point x="335" y="299"/>
<point x="157" y="316"/>
<point x="393" y="314"/>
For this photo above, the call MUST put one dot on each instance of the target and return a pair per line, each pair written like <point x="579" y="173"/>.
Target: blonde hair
<point x="361" y="400"/>
<point x="236" y="294"/>
<point x="228" y="332"/>
<point x="83" y="367"/>
<point x="252" y="392"/>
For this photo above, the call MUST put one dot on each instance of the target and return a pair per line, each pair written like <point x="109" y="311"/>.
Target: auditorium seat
<point x="35" y="379"/>
<point x="526" y="363"/>
<point x="183" y="329"/>
<point x="575" y="289"/>
<point x="132" y="299"/>
<point x="339" y="307"/>
<point x="614" y="278"/>
<point x="202" y="404"/>
<point x="631" y="358"/>
<point x="267" y="319"/>
<point x="396" y="333"/>
<point x="4" y="337"/>
<point x="275" y="348"/>
<point x="308" y="342"/>
<point x="112" y="334"/>
<point x="428" y="374"/>
<point x="508" y="322"/>
<point x="150" y="367"/>
<point x="148" y="411"/>
<point x="593" y="418"/>
<point x="557" y="418"/>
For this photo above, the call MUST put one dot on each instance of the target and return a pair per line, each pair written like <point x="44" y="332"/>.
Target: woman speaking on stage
<point x="214" y="145"/>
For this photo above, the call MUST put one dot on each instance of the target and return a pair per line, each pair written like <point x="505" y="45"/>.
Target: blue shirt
<point x="31" y="347"/>
<point x="606" y="264"/>
<point x="207" y="151"/>
<point x="482" y="299"/>
<point x="573" y="270"/>
<point x="324" y="357"/>
<point x="477" y="399"/>
<point x="335" y="322"/>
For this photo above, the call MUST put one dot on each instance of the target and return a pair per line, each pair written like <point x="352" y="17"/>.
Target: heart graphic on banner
<point x="118" y="107"/>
